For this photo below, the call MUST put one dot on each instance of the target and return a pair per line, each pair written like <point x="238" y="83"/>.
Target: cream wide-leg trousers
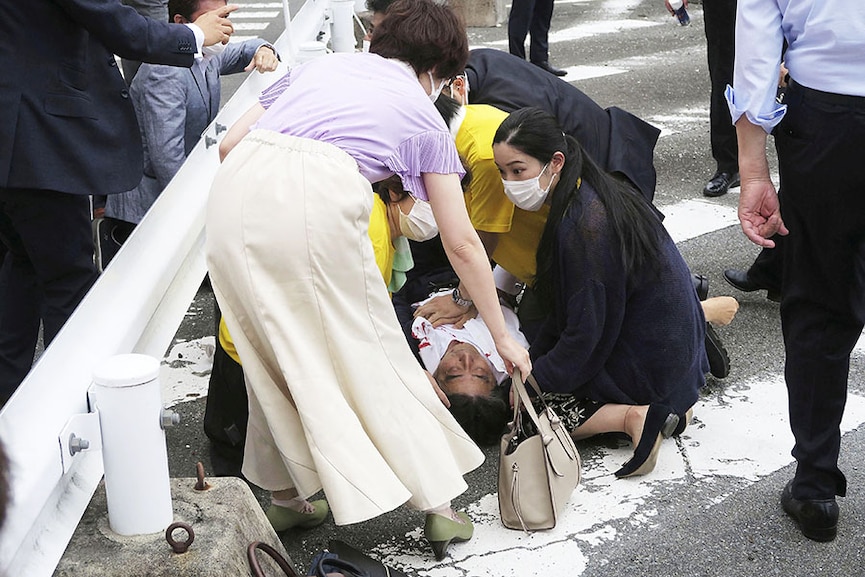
<point x="336" y="398"/>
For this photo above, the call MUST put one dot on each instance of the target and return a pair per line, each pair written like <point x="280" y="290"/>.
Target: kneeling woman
<point x="625" y="330"/>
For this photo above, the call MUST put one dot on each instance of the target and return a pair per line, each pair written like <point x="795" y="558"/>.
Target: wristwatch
<point x="272" y="47"/>
<point x="459" y="300"/>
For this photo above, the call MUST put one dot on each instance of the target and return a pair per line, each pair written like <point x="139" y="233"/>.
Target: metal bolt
<point x="208" y="141"/>
<point x="168" y="418"/>
<point x="220" y="128"/>
<point x="77" y="444"/>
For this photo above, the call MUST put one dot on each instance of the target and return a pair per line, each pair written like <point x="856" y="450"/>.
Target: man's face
<point x="464" y="370"/>
<point x="374" y="21"/>
<point x="207" y="6"/>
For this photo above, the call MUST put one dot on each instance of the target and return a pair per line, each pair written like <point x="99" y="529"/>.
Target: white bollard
<point x="342" y="31"/>
<point x="129" y="400"/>
<point x="310" y="50"/>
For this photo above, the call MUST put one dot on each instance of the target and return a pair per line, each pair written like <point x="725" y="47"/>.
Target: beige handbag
<point x="539" y="466"/>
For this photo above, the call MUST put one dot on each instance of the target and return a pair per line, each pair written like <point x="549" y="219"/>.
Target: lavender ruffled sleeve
<point x="432" y="151"/>
<point x="269" y="95"/>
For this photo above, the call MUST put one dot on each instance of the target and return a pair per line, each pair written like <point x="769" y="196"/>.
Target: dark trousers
<point x="47" y="270"/>
<point x="820" y="143"/>
<point x="530" y="17"/>
<point x="226" y="413"/>
<point x="719" y="17"/>
<point x="767" y="269"/>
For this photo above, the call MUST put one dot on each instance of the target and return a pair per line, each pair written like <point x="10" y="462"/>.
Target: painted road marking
<point x="742" y="433"/>
<point x="692" y="218"/>
<point x="239" y="15"/>
<point x="575" y="73"/>
<point x="590" y="29"/>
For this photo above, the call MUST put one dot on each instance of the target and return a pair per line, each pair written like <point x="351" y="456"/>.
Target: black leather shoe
<point x="721" y="183"/>
<point x="719" y="361"/>
<point x="554" y="71"/>
<point x="739" y="279"/>
<point x="817" y="518"/>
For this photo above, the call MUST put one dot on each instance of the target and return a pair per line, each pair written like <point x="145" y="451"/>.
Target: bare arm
<point x="759" y="210"/>
<point x="469" y="259"/>
<point x="239" y="129"/>
<point x="443" y="310"/>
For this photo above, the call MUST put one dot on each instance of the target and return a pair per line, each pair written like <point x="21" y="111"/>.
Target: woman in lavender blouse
<point x="337" y="401"/>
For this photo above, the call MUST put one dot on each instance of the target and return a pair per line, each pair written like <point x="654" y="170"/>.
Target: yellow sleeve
<point x="489" y="209"/>
<point x="379" y="234"/>
<point x="226" y="342"/>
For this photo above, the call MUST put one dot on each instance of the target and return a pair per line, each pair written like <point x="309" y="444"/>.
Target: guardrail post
<point x="127" y="396"/>
<point x="342" y="30"/>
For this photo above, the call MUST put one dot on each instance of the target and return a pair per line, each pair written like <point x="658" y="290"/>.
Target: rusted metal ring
<point x="274" y="554"/>
<point x="201" y="484"/>
<point x="179" y="546"/>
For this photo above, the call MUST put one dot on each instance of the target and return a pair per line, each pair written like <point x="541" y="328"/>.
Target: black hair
<point x="482" y="417"/>
<point x="537" y="134"/>
<point x="390" y="184"/>
<point x="448" y="107"/>
<point x="185" y="8"/>
<point x="378" y="5"/>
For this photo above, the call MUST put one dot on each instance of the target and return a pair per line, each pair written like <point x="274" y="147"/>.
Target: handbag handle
<point x="342" y="565"/>
<point x="255" y="567"/>
<point x="522" y="397"/>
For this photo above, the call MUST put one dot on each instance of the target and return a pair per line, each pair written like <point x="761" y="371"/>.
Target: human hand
<point x="441" y="394"/>
<point x="216" y="25"/>
<point x="670" y="8"/>
<point x="264" y="60"/>
<point x="760" y="212"/>
<point x="514" y="355"/>
<point x="442" y="310"/>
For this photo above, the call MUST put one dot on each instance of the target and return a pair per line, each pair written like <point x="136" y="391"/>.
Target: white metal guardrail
<point x="135" y="306"/>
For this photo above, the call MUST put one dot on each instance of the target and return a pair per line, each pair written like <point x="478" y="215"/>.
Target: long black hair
<point x="536" y="133"/>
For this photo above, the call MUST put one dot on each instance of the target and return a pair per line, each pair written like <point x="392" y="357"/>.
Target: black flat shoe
<point x="817" y="518"/>
<point x="554" y="71"/>
<point x="739" y="279"/>
<point x="661" y="422"/>
<point x="721" y="183"/>
<point x="719" y="360"/>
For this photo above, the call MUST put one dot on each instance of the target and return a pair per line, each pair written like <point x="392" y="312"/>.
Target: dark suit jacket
<point x="66" y="119"/>
<point x="617" y="140"/>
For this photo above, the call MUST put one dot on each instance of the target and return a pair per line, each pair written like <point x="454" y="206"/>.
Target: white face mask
<point x="528" y="194"/>
<point x="434" y="95"/>
<point x="419" y="224"/>
<point x="366" y="44"/>
<point x="209" y="52"/>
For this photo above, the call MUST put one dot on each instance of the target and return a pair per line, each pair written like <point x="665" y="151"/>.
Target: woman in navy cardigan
<point x="625" y="331"/>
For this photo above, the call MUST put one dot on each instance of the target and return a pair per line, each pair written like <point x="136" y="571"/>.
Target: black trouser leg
<point x="518" y="26"/>
<point x="719" y="17"/>
<point x="823" y="306"/>
<point x="47" y="270"/>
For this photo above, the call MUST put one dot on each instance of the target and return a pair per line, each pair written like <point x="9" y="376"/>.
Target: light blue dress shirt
<point x="826" y="51"/>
